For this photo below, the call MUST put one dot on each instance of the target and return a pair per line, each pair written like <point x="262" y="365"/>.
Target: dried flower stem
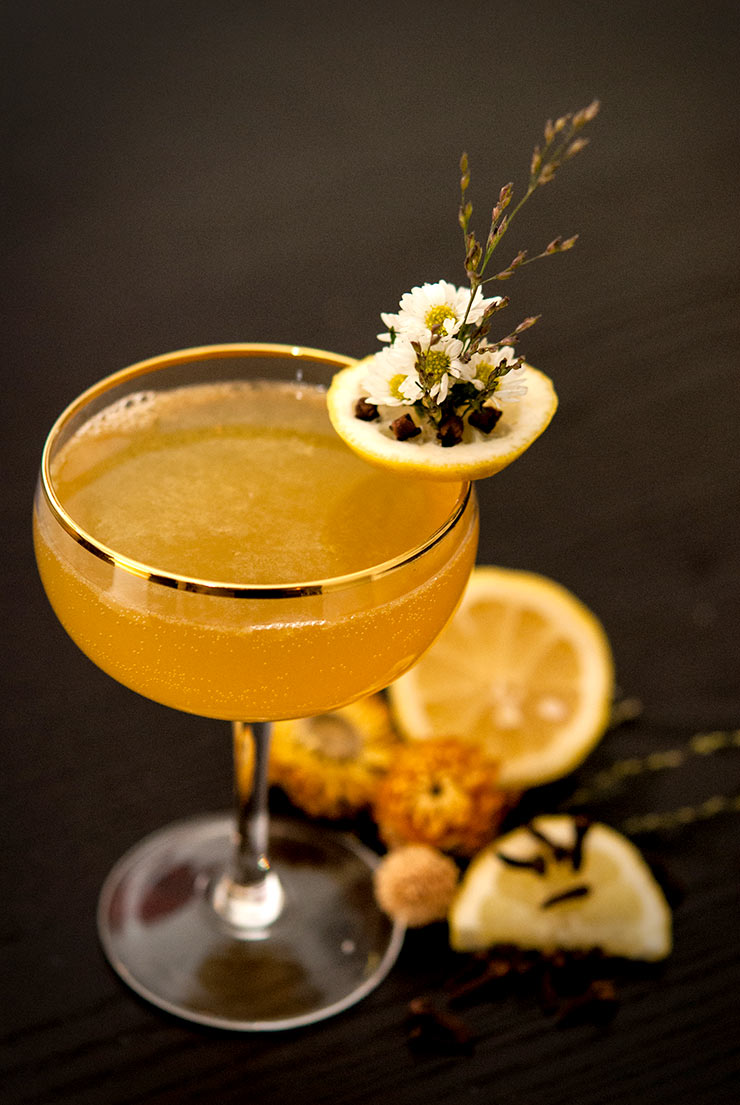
<point x="611" y="779"/>
<point x="561" y="144"/>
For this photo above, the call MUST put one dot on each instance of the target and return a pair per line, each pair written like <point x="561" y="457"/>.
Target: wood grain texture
<point x="182" y="173"/>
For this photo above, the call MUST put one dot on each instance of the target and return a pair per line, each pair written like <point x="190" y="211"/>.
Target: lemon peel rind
<point x="522" y="424"/>
<point x="648" y="937"/>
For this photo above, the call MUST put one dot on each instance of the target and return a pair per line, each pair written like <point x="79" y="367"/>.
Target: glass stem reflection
<point x="249" y="897"/>
<point x="253" y="823"/>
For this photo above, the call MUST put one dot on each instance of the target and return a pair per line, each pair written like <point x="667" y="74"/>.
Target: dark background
<point x="180" y="173"/>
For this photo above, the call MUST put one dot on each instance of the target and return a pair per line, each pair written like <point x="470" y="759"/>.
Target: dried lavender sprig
<point x="546" y="162"/>
<point x="474" y="340"/>
<point x="561" y="144"/>
<point x="557" y="245"/>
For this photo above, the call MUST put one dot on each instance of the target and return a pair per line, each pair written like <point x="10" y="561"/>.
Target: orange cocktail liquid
<point x="244" y="483"/>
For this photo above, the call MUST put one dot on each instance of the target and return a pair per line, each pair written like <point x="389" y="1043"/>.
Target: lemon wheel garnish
<point x="523" y="668"/>
<point x="477" y="456"/>
<point x="610" y="900"/>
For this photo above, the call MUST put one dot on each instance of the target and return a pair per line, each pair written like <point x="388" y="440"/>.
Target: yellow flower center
<point x="436" y="316"/>
<point x="394" y="385"/>
<point x="483" y="370"/>
<point x="436" y="364"/>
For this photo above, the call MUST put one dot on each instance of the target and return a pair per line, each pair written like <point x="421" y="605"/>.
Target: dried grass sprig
<point x="560" y="145"/>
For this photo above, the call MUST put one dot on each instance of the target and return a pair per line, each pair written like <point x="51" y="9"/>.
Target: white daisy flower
<point x="509" y="390"/>
<point x="441" y="304"/>
<point x="392" y="379"/>
<point x="441" y="361"/>
<point x="478" y="368"/>
<point x="391" y="322"/>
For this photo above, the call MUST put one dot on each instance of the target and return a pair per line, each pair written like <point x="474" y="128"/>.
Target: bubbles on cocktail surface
<point x="185" y="479"/>
<point x="141" y="409"/>
<point x="126" y="413"/>
<point x="198" y="405"/>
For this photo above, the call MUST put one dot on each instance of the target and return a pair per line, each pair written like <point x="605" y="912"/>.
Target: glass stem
<point x="252" y="816"/>
<point x="249" y="897"/>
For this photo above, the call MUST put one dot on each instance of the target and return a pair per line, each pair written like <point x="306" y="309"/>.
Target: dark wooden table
<point x="181" y="173"/>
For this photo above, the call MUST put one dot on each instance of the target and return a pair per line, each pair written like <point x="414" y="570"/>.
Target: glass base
<point x="327" y="949"/>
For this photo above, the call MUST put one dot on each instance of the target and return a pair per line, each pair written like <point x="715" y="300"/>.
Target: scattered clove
<point x="571" y="986"/>
<point x="366" y="411"/>
<point x="450" y="431"/>
<point x="404" y="427"/>
<point x="494" y="971"/>
<point x="433" y="1029"/>
<point x="485" y="418"/>
<point x="597" y="1005"/>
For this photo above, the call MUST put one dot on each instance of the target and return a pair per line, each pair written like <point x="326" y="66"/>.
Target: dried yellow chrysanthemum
<point x="415" y="884"/>
<point x="441" y="792"/>
<point x="330" y="765"/>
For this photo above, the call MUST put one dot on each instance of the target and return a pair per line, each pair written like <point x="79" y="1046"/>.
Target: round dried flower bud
<point x="443" y="792"/>
<point x="415" y="884"/>
<point x="329" y="765"/>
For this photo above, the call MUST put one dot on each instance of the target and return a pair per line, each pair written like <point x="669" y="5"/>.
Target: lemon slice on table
<point x="523" y="668"/>
<point x="517" y="891"/>
<point x="476" y="456"/>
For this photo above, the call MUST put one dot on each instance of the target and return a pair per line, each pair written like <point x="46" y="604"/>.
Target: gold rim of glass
<point x="206" y="586"/>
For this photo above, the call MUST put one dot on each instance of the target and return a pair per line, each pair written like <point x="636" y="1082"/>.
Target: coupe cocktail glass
<point x="208" y="541"/>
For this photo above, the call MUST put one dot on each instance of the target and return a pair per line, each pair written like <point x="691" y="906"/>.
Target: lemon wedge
<point x="478" y="455"/>
<point x="517" y="892"/>
<point x="523" y="668"/>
